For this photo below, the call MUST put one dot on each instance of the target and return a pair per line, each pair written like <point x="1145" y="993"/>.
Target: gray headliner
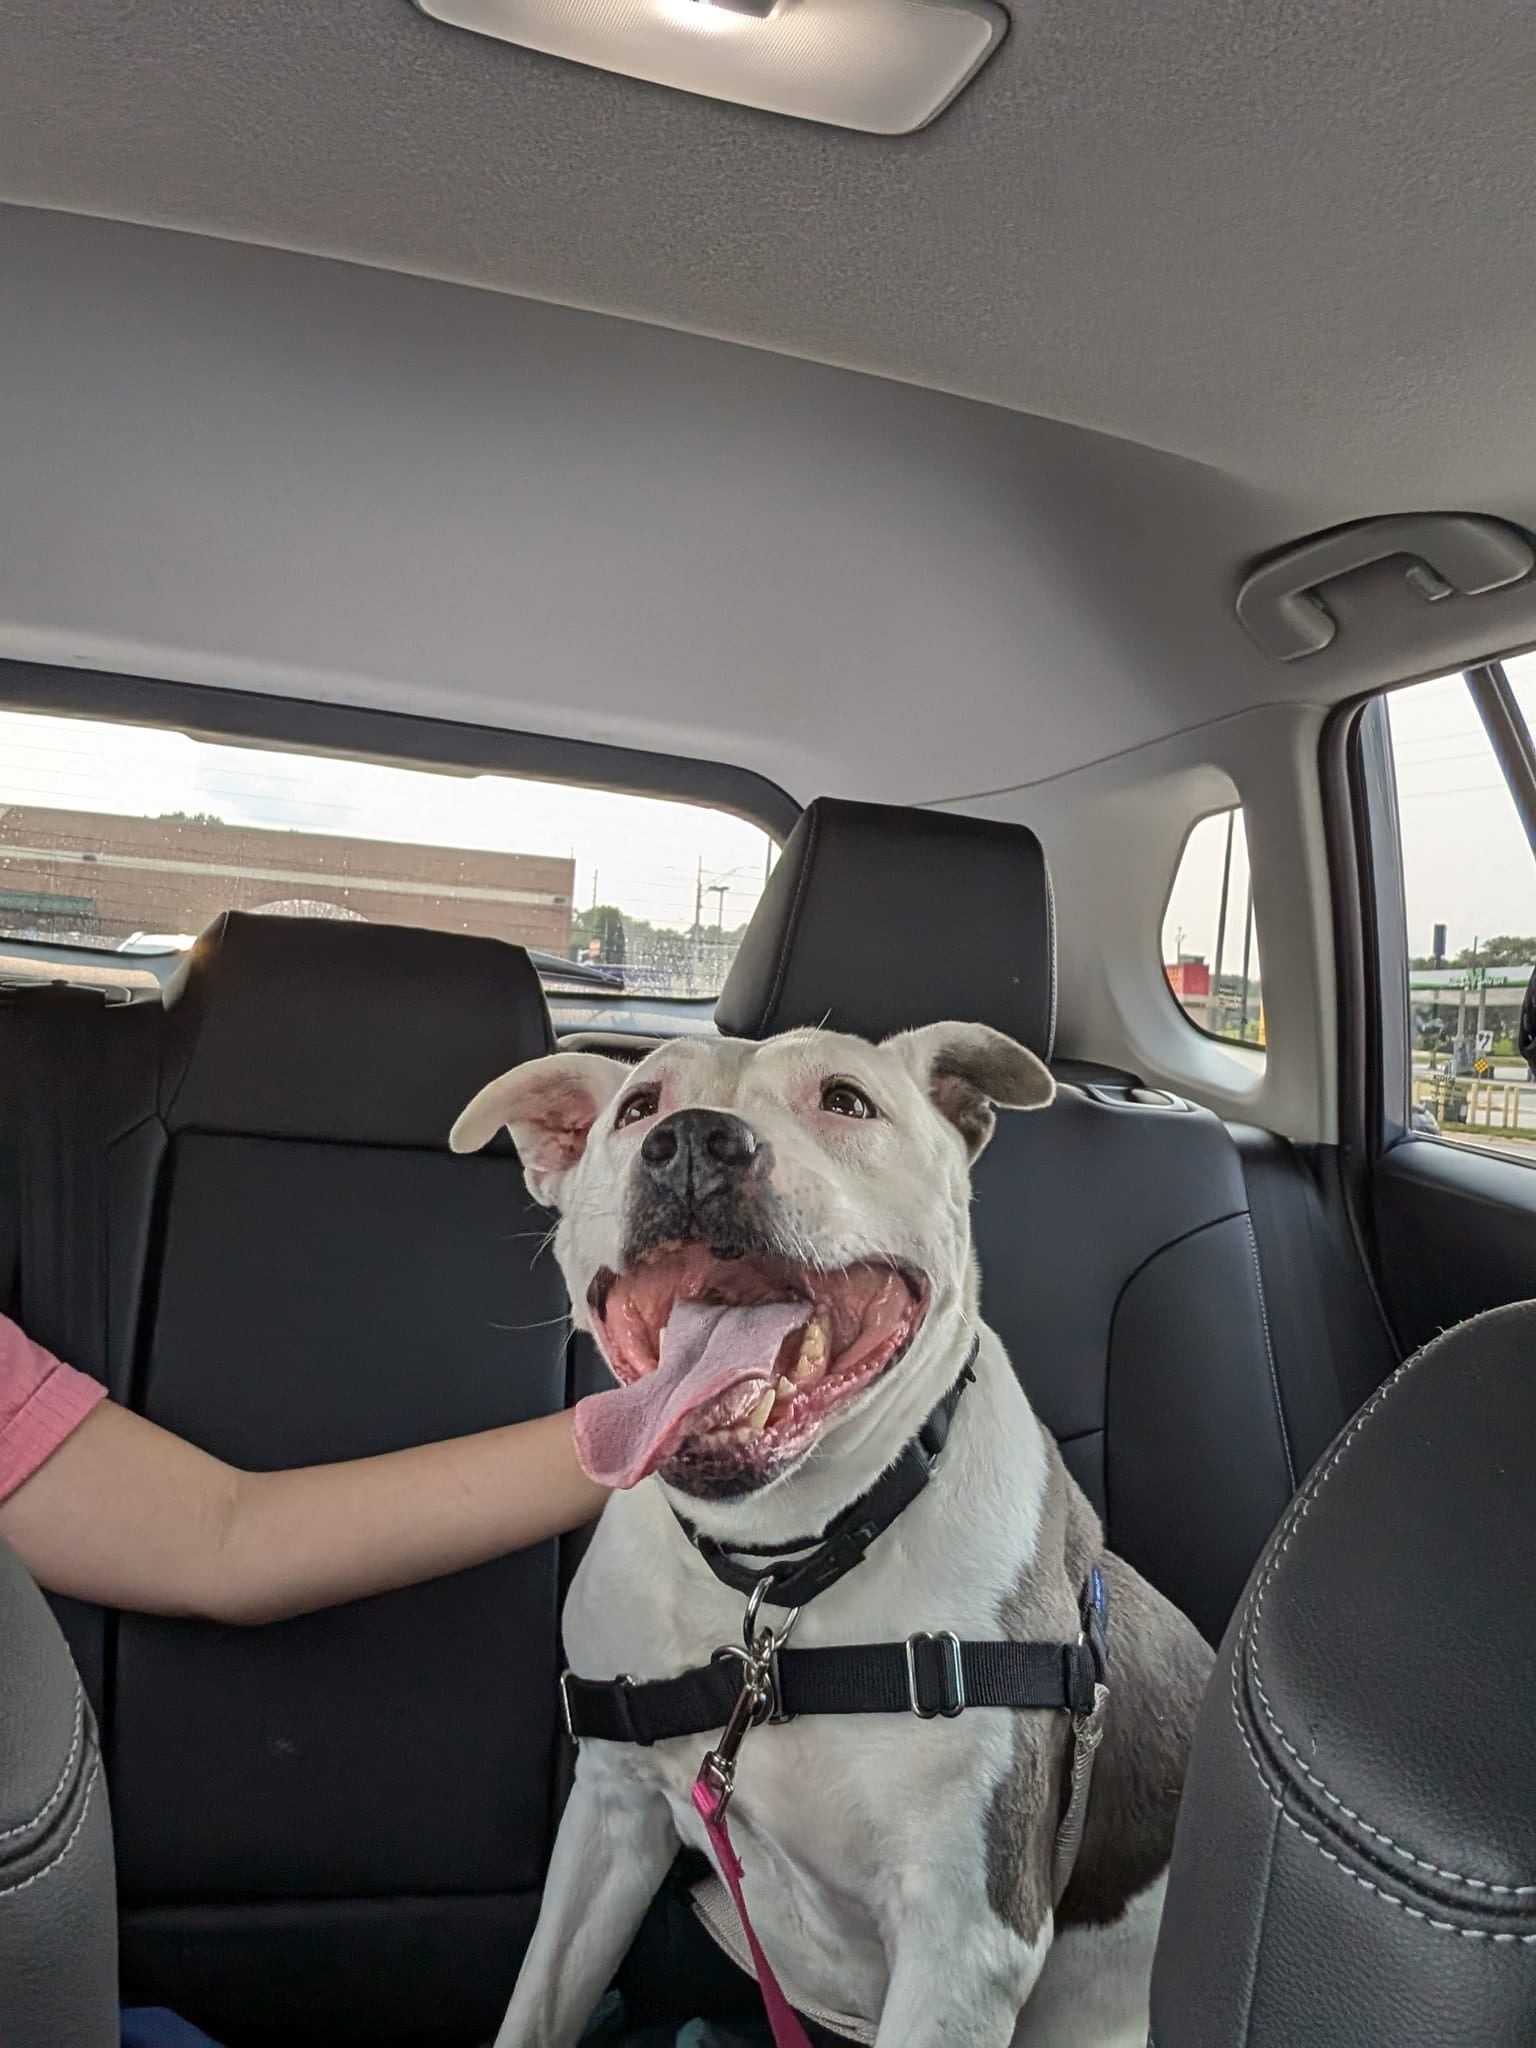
<point x="1292" y="245"/>
<point x="1292" y="241"/>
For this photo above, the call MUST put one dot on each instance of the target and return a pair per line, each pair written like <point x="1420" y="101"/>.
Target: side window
<point x="1210" y="941"/>
<point x="1469" y="887"/>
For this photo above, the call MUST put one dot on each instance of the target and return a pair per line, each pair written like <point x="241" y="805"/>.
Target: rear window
<point x="131" y="839"/>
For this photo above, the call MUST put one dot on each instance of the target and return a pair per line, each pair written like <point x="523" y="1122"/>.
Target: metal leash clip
<point x="758" y="1700"/>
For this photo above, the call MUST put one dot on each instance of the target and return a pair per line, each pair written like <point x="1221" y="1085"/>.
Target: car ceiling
<point x="1220" y="280"/>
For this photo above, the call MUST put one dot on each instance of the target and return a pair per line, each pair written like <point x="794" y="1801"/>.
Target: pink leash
<point x="711" y="1800"/>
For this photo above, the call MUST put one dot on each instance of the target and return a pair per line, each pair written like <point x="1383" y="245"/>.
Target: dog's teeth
<point x="763" y="1408"/>
<point x="811" y="1359"/>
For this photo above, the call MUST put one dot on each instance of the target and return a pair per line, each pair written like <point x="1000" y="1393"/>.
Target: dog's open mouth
<point x="730" y="1369"/>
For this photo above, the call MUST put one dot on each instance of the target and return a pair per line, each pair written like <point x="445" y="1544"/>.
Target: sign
<point x="1482" y="1068"/>
<point x="1485" y="1041"/>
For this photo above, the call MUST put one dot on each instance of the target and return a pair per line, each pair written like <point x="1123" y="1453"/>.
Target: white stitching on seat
<point x="1269" y="1347"/>
<point x="26" y="1883"/>
<point x="1356" y="1877"/>
<point x="26" y="1827"/>
<point x="1248" y="1638"/>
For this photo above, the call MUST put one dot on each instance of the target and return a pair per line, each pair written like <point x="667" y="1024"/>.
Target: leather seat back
<point x="1355" y="1859"/>
<point x="58" y="1909"/>
<point x="334" y="1827"/>
<point x="1117" y="1254"/>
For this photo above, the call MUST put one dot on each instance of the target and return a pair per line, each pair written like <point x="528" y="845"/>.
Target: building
<point x="1190" y="979"/>
<point x="81" y="876"/>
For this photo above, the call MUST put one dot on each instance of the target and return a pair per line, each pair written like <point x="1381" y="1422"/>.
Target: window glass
<point x="1469" y="885"/>
<point x="131" y="839"/>
<point x="1210" y="941"/>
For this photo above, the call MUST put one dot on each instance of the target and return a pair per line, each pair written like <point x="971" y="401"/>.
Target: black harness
<point x="927" y="1675"/>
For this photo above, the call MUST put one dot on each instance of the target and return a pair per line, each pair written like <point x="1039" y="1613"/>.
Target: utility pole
<point x="1461" y="1056"/>
<point x="1221" y="918"/>
<point x="698" y="925"/>
<point x="719" y="890"/>
<point x="1247" y="960"/>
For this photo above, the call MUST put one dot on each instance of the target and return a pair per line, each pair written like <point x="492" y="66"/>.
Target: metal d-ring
<point x="762" y="1646"/>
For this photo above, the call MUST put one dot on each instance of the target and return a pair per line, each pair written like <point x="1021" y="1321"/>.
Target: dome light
<point x="885" y="67"/>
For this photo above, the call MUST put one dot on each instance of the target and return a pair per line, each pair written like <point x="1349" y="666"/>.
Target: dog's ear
<point x="967" y="1070"/>
<point x="549" y="1106"/>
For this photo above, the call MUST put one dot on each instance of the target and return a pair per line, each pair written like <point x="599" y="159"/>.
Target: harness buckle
<point x="566" y="1708"/>
<point x="953" y="1667"/>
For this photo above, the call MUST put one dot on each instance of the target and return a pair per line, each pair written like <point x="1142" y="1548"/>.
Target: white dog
<point x="771" y="1244"/>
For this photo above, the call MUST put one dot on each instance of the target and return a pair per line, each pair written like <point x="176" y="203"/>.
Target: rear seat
<point x="239" y="1211"/>
<point x="1118" y="1257"/>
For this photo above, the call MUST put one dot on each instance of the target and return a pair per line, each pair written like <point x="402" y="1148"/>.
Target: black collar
<point x="813" y="1563"/>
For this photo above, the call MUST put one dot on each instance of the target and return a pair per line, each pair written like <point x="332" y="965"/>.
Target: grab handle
<point x="1281" y="610"/>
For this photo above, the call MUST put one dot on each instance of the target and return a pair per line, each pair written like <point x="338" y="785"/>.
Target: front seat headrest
<point x="878" y="919"/>
<point x="1356" y="1855"/>
<point x="351" y="1033"/>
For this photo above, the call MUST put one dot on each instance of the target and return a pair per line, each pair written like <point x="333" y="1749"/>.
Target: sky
<point x="641" y="853"/>
<point x="1466" y="862"/>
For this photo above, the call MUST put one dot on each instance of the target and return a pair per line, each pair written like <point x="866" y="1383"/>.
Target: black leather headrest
<point x="878" y="919"/>
<point x="353" y="1033"/>
<point x="1355" y="1859"/>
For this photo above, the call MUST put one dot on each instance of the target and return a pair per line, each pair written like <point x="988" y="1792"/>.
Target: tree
<point x="188" y="818"/>
<point x="1502" y="951"/>
<point x="605" y="923"/>
<point x="1506" y="950"/>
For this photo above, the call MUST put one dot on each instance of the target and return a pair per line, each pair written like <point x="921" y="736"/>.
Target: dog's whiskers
<point x="525" y="1329"/>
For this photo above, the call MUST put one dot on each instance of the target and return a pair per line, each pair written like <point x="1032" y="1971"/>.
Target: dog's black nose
<point x="693" y="1148"/>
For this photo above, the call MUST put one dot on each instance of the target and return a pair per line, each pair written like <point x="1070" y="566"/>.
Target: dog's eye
<point x="637" y="1106"/>
<point x="841" y="1098"/>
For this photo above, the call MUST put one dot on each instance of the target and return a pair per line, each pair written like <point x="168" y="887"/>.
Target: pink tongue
<point x="624" y="1434"/>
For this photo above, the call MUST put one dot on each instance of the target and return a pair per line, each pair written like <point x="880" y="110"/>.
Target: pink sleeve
<point x="41" y="1401"/>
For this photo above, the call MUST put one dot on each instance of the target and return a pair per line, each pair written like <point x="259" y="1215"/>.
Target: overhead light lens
<point x="886" y="67"/>
<point x="702" y="17"/>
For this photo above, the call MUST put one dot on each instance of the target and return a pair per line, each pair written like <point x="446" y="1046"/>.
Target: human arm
<point x="126" y="1514"/>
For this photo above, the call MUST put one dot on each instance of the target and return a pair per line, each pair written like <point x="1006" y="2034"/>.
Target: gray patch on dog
<point x="1159" y="1666"/>
<point x="955" y="1095"/>
<point x="972" y="1072"/>
<point x="1041" y="1607"/>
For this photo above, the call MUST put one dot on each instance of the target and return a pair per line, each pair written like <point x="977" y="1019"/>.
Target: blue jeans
<point x="151" y="2026"/>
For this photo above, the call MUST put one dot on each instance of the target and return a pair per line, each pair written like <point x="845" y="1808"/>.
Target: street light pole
<point x="1247" y="959"/>
<point x="1221" y="918"/>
